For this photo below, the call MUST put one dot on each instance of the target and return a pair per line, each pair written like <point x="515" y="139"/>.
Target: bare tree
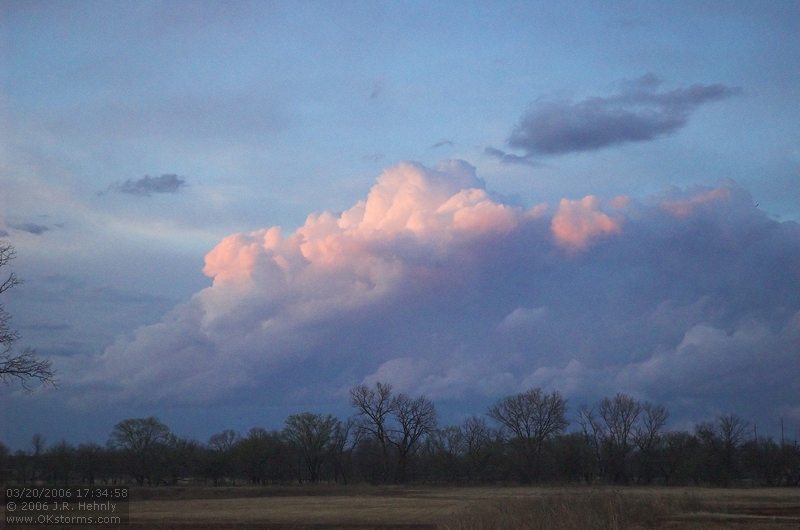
<point x="38" y="446"/>
<point x="220" y="461"/>
<point x="142" y="438"/>
<point x="721" y="440"/>
<point x="593" y="434"/>
<point x="415" y="419"/>
<point x="619" y="416"/>
<point x="531" y="418"/>
<point x="24" y="366"/>
<point x="373" y="407"/>
<point x="312" y="436"/>
<point x="646" y="435"/>
<point x="478" y="438"/>
<point x="223" y="441"/>
<point x="609" y="429"/>
<point x="653" y="420"/>
<point x="340" y="454"/>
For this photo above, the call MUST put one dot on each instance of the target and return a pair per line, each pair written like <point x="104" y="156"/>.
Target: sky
<point x="229" y="212"/>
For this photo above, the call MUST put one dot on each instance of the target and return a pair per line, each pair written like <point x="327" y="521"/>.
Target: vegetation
<point x="479" y="508"/>
<point x="21" y="366"/>
<point x="394" y="439"/>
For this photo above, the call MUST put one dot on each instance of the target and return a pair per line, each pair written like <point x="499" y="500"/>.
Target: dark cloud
<point x="638" y="113"/>
<point x="31" y="228"/>
<point x="147" y="185"/>
<point x="441" y="143"/>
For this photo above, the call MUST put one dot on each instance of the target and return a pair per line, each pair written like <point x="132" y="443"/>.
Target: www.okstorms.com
<point x="60" y="519"/>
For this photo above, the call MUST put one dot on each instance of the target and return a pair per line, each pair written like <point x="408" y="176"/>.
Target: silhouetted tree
<point x="790" y="464"/>
<point x="761" y="458"/>
<point x="179" y="458"/>
<point x="679" y="455"/>
<point x="484" y="449"/>
<point x="721" y="439"/>
<point x="341" y="451"/>
<point x="646" y="435"/>
<point x="415" y="418"/>
<point x="373" y="408"/>
<point x="142" y="440"/>
<point x="444" y="455"/>
<point x="313" y="437"/>
<point x="575" y="460"/>
<point x="23" y="366"/>
<point x="90" y="462"/>
<point x="219" y="460"/>
<point x="38" y="446"/>
<point x="265" y="457"/>
<point x="60" y="463"/>
<point x="530" y="419"/>
<point x="609" y="429"/>
<point x="5" y="463"/>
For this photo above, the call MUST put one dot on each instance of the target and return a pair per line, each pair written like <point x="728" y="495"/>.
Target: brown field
<point x="464" y="508"/>
<point x="450" y="508"/>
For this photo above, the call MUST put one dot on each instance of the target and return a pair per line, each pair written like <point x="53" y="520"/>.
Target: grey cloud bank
<point x="690" y="298"/>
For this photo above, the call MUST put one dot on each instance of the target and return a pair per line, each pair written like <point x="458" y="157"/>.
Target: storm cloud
<point x="690" y="298"/>
<point x="639" y="112"/>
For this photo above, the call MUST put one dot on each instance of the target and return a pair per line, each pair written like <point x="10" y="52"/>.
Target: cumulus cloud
<point x="639" y="112"/>
<point x="576" y="223"/>
<point x="435" y="285"/>
<point x="148" y="185"/>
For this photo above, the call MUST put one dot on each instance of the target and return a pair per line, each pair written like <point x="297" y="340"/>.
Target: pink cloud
<point x="577" y="223"/>
<point x="685" y="207"/>
<point x="434" y="285"/>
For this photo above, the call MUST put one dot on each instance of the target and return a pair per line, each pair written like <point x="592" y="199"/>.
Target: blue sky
<point x="137" y="138"/>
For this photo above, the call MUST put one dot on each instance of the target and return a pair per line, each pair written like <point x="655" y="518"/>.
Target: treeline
<point x="395" y="438"/>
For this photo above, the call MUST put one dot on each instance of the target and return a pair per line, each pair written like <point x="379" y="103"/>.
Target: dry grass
<point x="475" y="508"/>
<point x="593" y="510"/>
<point x="633" y="508"/>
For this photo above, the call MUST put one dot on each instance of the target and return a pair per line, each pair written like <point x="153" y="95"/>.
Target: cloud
<point x="509" y="158"/>
<point x="31" y="228"/>
<point x="576" y="223"/>
<point x="441" y="143"/>
<point x="148" y="185"/>
<point x="435" y="285"/>
<point x="639" y="112"/>
<point x="376" y="157"/>
<point x="377" y="90"/>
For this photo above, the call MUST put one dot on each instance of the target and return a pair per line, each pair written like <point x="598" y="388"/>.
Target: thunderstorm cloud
<point x="691" y="298"/>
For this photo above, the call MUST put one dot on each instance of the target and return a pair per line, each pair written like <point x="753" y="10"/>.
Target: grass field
<point x="475" y="508"/>
<point x="463" y="508"/>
